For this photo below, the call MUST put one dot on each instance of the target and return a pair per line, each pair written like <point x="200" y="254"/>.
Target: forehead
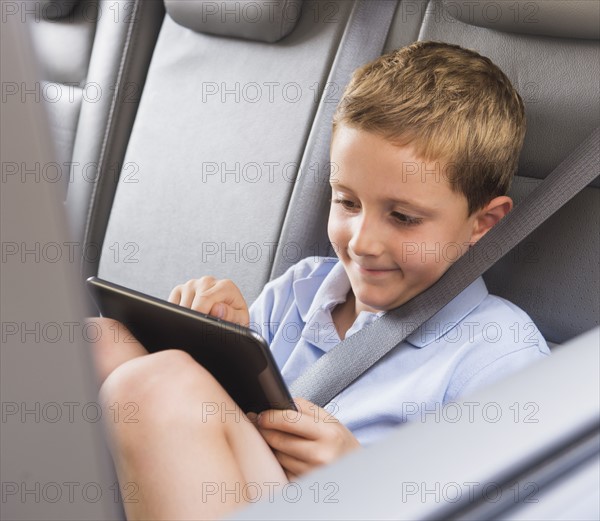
<point x="367" y="162"/>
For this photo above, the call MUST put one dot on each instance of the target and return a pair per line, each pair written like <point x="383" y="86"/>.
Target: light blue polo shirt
<point x="476" y="339"/>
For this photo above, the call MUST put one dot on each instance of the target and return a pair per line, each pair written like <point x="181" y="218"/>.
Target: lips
<point x="373" y="270"/>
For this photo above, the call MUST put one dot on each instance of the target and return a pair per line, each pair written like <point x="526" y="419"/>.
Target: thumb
<point x="219" y="310"/>
<point x="229" y="313"/>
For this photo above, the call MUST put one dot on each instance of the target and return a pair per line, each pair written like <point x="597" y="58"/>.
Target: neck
<point x="344" y="315"/>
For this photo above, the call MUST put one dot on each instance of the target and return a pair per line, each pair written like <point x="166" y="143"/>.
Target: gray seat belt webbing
<point x="362" y="41"/>
<point x="349" y="359"/>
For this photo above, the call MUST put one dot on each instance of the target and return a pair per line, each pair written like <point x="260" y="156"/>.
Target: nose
<point x="366" y="238"/>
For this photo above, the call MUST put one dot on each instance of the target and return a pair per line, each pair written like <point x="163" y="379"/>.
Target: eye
<point x="406" y="220"/>
<point x="345" y="203"/>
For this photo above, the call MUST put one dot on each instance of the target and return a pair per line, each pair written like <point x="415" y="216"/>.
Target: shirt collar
<point x="325" y="291"/>
<point x="315" y="299"/>
<point x="321" y="292"/>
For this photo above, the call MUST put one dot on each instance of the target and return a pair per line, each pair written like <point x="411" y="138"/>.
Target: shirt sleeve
<point x="505" y="341"/>
<point x="504" y="366"/>
<point x="267" y="311"/>
<point x="277" y="298"/>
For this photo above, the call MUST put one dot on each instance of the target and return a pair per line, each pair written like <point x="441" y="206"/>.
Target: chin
<point x="373" y="299"/>
<point x="377" y="304"/>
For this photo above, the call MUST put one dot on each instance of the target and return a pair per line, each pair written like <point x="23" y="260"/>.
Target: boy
<point x="426" y="140"/>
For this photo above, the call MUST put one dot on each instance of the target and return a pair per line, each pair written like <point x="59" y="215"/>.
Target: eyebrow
<point x="402" y="202"/>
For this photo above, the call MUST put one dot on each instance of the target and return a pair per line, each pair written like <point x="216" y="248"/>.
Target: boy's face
<point x="395" y="222"/>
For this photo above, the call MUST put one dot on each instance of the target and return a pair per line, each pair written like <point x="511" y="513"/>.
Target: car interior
<point x="192" y="138"/>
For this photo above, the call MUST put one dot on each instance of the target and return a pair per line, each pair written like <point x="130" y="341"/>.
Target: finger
<point x="300" y="449"/>
<point x="303" y="455"/>
<point x="226" y="291"/>
<point x="217" y="286"/>
<point x="303" y="422"/>
<point x="289" y="443"/>
<point x="175" y="295"/>
<point x="292" y="465"/>
<point x="220" y="310"/>
<point x="230" y="314"/>
<point x="204" y="303"/>
<point x="187" y="297"/>
<point x="202" y="298"/>
<point x="183" y="294"/>
<point x="290" y="476"/>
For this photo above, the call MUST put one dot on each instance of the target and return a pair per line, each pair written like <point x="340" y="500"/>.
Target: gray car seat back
<point x="126" y="31"/>
<point x="93" y="73"/>
<point x="63" y="35"/>
<point x="553" y="274"/>
<point x="216" y="143"/>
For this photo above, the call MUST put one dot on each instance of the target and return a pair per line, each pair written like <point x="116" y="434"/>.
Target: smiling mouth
<point x="375" y="271"/>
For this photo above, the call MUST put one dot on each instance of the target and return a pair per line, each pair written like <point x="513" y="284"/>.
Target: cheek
<point x="427" y="254"/>
<point x="421" y="267"/>
<point x="336" y="230"/>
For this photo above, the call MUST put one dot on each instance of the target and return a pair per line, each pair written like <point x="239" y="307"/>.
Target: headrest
<point x="262" y="20"/>
<point x="572" y="19"/>
<point x="55" y="9"/>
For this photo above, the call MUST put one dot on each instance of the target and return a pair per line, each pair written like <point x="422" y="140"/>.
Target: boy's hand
<point x="305" y="440"/>
<point x="219" y="298"/>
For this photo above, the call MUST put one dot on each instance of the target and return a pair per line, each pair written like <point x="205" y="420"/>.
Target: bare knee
<point x="168" y="390"/>
<point x="148" y="377"/>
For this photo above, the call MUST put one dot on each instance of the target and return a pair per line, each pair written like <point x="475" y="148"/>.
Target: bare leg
<point x="190" y="452"/>
<point x="115" y="346"/>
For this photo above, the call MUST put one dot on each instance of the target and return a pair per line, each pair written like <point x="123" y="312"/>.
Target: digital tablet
<point x="236" y="356"/>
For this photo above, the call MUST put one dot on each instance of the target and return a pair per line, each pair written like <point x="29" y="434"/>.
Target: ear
<point x="486" y="218"/>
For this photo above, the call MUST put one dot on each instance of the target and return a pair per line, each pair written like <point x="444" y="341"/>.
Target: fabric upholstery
<point x="216" y="145"/>
<point x="262" y="20"/>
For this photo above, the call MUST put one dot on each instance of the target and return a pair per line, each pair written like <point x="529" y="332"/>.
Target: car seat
<point x="225" y="118"/>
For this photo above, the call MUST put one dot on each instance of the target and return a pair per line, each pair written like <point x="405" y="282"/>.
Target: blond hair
<point x="450" y="104"/>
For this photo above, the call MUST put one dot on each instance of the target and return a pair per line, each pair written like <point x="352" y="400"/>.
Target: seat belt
<point x="349" y="359"/>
